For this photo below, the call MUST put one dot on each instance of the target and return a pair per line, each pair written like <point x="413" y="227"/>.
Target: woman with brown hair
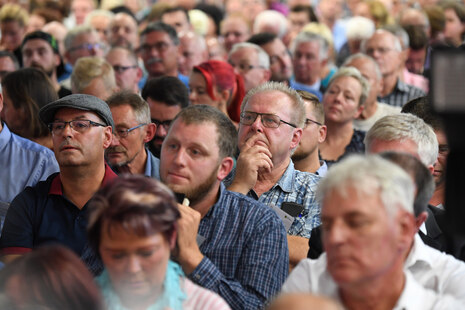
<point x="51" y="277"/>
<point x="25" y="91"/>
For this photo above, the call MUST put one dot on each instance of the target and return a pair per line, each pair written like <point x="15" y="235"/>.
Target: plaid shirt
<point x="293" y="186"/>
<point x="402" y="94"/>
<point x="246" y="255"/>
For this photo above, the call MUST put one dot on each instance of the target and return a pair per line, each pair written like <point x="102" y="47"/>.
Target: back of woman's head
<point x="30" y="89"/>
<point x="51" y="277"/>
<point x="221" y="75"/>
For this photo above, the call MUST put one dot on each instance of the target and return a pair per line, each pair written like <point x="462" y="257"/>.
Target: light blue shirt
<point x="152" y="166"/>
<point x="22" y="163"/>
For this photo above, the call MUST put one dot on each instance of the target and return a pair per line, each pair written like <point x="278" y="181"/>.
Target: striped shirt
<point x="246" y="255"/>
<point x="402" y="94"/>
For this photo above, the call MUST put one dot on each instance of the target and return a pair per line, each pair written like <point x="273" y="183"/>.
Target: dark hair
<point x="262" y="38"/>
<point x="52" y="277"/>
<point x="318" y="109"/>
<point x="307" y="9"/>
<point x="173" y="9"/>
<point x="11" y="56"/>
<point x="421" y="107"/>
<point x="123" y="9"/>
<point x="161" y="27"/>
<point x="29" y="90"/>
<point x="422" y="177"/>
<point x="167" y="89"/>
<point x="417" y="37"/>
<point x="138" y="204"/>
<point x="214" y="12"/>
<point x="226" y="131"/>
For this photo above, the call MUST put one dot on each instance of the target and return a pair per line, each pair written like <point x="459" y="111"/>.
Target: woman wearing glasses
<point x="343" y="102"/>
<point x="214" y="83"/>
<point x="132" y="225"/>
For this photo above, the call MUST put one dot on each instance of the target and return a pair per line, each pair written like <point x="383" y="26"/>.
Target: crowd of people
<point x="225" y="154"/>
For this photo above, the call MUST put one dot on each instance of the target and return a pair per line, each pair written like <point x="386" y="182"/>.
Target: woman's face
<point x="198" y="91"/>
<point x="136" y="265"/>
<point x="454" y="27"/>
<point x="341" y="100"/>
<point x="14" y="118"/>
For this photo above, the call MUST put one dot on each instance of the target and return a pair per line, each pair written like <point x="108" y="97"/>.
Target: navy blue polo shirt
<point x="42" y="215"/>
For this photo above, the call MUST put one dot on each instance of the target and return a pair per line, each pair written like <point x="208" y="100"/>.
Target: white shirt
<point x="436" y="274"/>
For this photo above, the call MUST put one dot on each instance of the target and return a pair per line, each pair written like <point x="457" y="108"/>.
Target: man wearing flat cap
<point x="54" y="211"/>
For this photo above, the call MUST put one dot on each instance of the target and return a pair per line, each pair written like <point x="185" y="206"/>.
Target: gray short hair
<point x="138" y="105"/>
<point x="353" y="73"/>
<point x="298" y="104"/>
<point x="353" y="57"/>
<point x="263" y="58"/>
<point x="367" y="175"/>
<point x="406" y="126"/>
<point x="271" y="17"/>
<point x="359" y="28"/>
<point x="75" y="32"/>
<point x="397" y="44"/>
<point x="304" y="37"/>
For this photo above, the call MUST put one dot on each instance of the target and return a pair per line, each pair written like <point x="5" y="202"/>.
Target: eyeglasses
<point x="88" y="46"/>
<point x="80" y="126"/>
<point x="122" y="69"/>
<point x="245" y="67"/>
<point x="268" y="120"/>
<point x="123" y="133"/>
<point x="159" y="46"/>
<point x="309" y="121"/>
<point x="165" y="124"/>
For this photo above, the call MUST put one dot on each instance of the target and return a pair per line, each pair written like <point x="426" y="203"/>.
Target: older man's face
<point x="360" y="239"/>
<point x="246" y="63"/>
<point x="381" y="46"/>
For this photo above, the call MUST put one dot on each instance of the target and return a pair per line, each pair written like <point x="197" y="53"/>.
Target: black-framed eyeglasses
<point x="87" y="46"/>
<point x="268" y="120"/>
<point x="123" y="133"/>
<point x="122" y="69"/>
<point x="81" y="125"/>
<point x="245" y="67"/>
<point x="309" y="121"/>
<point x="165" y="124"/>
<point x="159" y="46"/>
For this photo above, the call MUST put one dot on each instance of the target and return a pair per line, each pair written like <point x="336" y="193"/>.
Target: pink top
<point x="199" y="298"/>
<point x="416" y="80"/>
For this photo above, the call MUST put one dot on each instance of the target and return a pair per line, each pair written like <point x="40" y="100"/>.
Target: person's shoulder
<point x="202" y="298"/>
<point x="27" y="145"/>
<point x="38" y="190"/>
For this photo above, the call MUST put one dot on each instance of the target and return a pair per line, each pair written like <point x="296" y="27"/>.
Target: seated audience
<point x="132" y="225"/>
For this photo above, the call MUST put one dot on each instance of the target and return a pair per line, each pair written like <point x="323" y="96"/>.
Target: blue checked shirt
<point x="401" y="94"/>
<point x="293" y="186"/>
<point x="246" y="255"/>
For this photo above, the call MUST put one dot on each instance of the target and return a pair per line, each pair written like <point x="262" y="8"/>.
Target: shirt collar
<point x="5" y="136"/>
<point x="286" y="182"/>
<point x="401" y="86"/>
<point x="212" y="211"/>
<point x="418" y="254"/>
<point x="148" y="163"/>
<point x="56" y="189"/>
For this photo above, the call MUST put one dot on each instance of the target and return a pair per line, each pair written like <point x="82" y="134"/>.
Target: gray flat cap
<point x="80" y="102"/>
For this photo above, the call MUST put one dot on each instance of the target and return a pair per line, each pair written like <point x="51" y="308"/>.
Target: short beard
<point x="196" y="195"/>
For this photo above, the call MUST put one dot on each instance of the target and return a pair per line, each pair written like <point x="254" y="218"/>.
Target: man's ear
<point x="225" y="168"/>
<point x="150" y="132"/>
<point x="296" y="136"/>
<point x="322" y="133"/>
<point x="359" y="111"/>
<point x="108" y="135"/>
<point x="420" y="219"/>
<point x="266" y="75"/>
<point x="406" y="222"/>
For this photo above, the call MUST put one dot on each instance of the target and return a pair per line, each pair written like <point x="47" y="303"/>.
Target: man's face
<point x="123" y="151"/>
<point x="234" y="30"/>
<point x="80" y="9"/>
<point x="297" y="20"/>
<point x="368" y="70"/>
<point x="101" y="24"/>
<point x="159" y="54"/>
<point x="312" y="135"/>
<point x="161" y="114"/>
<point x="39" y="54"/>
<point x="416" y="60"/>
<point x="12" y="35"/>
<point x="280" y="60"/>
<point x="74" y="148"/>
<point x="359" y="237"/>
<point x="127" y="72"/>
<point x="280" y="141"/>
<point x="177" y="20"/>
<point x="6" y="66"/>
<point x="440" y="166"/>
<point x="189" y="161"/>
<point x="123" y="31"/>
<point x="381" y="46"/>
<point x="307" y="63"/>
<point x="341" y="100"/>
<point x="190" y="54"/>
<point x="245" y="63"/>
<point x="86" y="44"/>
